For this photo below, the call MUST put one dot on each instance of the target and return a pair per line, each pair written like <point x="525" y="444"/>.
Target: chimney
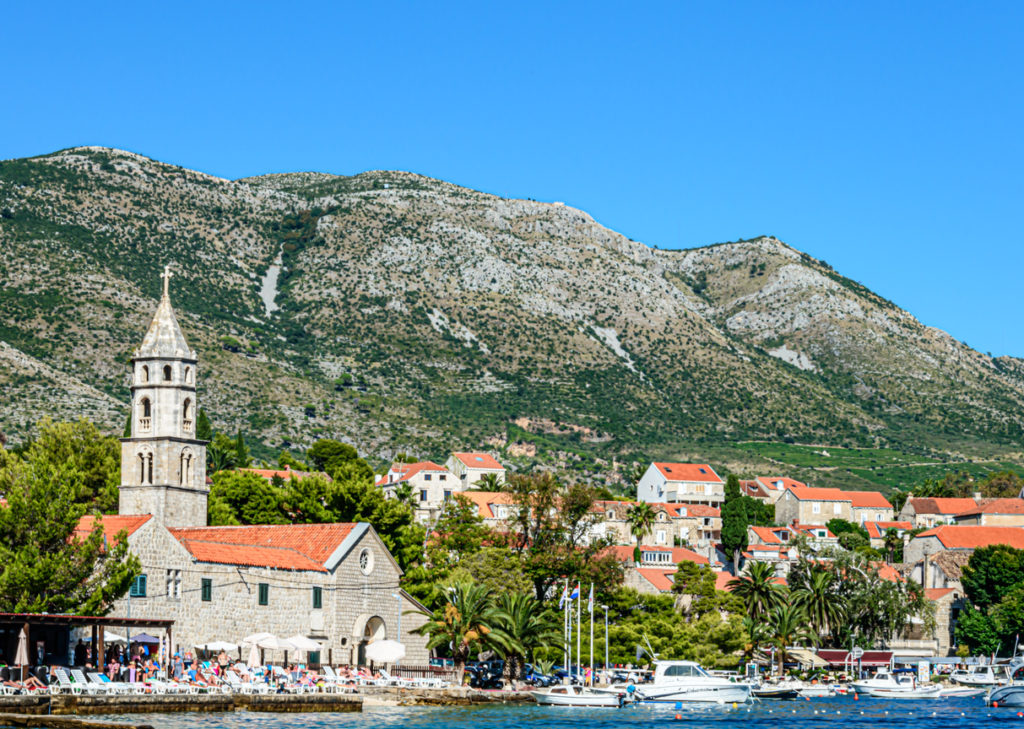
<point x="925" y="573"/>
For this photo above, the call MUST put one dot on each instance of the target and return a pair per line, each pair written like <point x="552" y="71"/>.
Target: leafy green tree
<point x="979" y="631"/>
<point x="242" y="457"/>
<point x="640" y="518"/>
<point x="47" y="565"/>
<point x="521" y="626"/>
<point x="551" y="528"/>
<point x="460" y="531"/>
<point x="992" y="573"/>
<point x="220" y="454"/>
<point x="243" y="497"/>
<point x="127" y="432"/>
<point x="696" y="586"/>
<point x="734" y="522"/>
<point x="326" y="454"/>
<point x="462" y="624"/>
<point x="497" y="568"/>
<point x="893" y="545"/>
<point x="92" y="455"/>
<point x="759" y="590"/>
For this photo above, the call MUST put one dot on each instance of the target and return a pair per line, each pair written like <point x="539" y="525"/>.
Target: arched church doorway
<point x="367" y="629"/>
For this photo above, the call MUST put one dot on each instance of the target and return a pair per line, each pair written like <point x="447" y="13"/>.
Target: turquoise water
<point x="838" y="712"/>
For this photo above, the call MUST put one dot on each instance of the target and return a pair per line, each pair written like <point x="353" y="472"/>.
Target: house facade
<point x="925" y="513"/>
<point x="336" y="584"/>
<point x="681" y="483"/>
<point x="431" y="485"/>
<point x="471" y="468"/>
<point x="807" y="505"/>
<point x="955" y="538"/>
<point x="994" y="512"/>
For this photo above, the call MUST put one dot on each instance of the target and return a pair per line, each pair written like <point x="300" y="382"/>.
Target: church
<point x="336" y="584"/>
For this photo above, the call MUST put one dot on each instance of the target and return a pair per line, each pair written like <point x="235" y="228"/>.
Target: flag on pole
<point x="565" y="595"/>
<point x="575" y="592"/>
<point x="590" y="602"/>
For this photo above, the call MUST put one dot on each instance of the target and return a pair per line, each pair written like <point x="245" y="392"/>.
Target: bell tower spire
<point x="163" y="465"/>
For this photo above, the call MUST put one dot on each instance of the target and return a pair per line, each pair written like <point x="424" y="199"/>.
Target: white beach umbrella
<point x="254" y="657"/>
<point x="256" y="638"/>
<point x="385" y="651"/>
<point x="218" y="645"/>
<point x="109" y="637"/>
<point x="274" y="643"/>
<point x="303" y="643"/>
<point x="21" y="657"/>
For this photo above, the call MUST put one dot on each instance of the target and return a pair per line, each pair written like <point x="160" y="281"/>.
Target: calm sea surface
<point x="838" y="712"/>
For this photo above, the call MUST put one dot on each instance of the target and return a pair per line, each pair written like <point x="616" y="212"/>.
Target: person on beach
<point x="179" y="667"/>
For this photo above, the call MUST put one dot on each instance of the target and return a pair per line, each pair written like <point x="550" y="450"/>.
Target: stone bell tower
<point x="163" y="466"/>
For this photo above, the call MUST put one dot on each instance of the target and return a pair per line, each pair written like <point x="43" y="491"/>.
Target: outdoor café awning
<point x="870" y="659"/>
<point x="808" y="658"/>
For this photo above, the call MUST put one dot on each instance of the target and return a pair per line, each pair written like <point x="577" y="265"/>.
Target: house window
<point x="816" y="508"/>
<point x="138" y="588"/>
<point x="174" y="584"/>
<point x="206" y="589"/>
<point x="447" y="495"/>
<point x="167" y="373"/>
<point x="264" y="593"/>
<point x="837" y="508"/>
<point x="313" y="657"/>
<point x="423" y="495"/>
<point x="660" y="538"/>
<point x="427" y="477"/>
<point x="441" y="477"/>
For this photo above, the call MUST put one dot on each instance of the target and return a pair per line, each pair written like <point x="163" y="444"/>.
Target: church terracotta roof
<point x="112" y="524"/>
<point x="281" y="546"/>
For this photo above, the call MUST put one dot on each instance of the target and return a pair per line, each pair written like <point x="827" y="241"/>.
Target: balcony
<point x="187" y="425"/>
<point x="145" y="423"/>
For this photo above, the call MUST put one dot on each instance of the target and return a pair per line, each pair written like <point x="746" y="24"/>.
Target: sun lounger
<point x="113" y="687"/>
<point x="65" y="684"/>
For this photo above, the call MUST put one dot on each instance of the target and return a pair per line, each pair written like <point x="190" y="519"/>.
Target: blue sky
<point x="882" y="137"/>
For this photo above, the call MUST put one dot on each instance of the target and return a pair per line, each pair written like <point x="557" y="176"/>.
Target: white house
<point x="681" y="483"/>
<point x="432" y="485"/>
<point x="470" y="468"/>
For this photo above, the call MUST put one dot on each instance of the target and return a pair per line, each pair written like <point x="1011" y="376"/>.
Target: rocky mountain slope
<point x="414" y="315"/>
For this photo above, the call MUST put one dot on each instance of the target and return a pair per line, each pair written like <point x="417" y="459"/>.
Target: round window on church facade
<point x="366" y="561"/>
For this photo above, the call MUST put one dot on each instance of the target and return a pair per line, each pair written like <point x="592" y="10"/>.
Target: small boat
<point x="572" y="695"/>
<point x="678" y="681"/>
<point x="778" y="691"/>
<point x="817" y="690"/>
<point x="920" y="691"/>
<point x="981" y="676"/>
<point x="960" y="692"/>
<point x="1010" y="696"/>
<point x="882" y="679"/>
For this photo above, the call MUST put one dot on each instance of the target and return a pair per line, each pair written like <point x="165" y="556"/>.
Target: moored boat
<point x="571" y="695"/>
<point x="981" y="676"/>
<point x="686" y="681"/>
<point x="920" y="691"/>
<point x="1010" y="696"/>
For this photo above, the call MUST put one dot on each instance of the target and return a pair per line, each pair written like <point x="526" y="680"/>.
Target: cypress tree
<point x="734" y="522"/>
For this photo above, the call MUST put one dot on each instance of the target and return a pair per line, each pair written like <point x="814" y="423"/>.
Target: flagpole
<point x="579" y="630"/>
<point x="565" y="624"/>
<point x="590" y="608"/>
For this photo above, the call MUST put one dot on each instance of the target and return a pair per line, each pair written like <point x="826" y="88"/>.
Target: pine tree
<point x="242" y="458"/>
<point x="734" y="522"/>
<point x="204" y="431"/>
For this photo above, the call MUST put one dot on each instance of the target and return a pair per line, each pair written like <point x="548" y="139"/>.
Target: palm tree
<point x="521" y="626"/>
<point x="758" y="590"/>
<point x="819" y="601"/>
<point x="789" y="627"/>
<point x="488" y="482"/>
<point x="463" y="622"/>
<point x="893" y="541"/>
<point x="641" y="518"/>
<point x="758" y="633"/>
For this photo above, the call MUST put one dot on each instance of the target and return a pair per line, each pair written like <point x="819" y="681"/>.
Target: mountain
<point x="414" y="315"/>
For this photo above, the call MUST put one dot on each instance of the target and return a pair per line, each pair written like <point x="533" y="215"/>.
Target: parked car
<point x="536" y="678"/>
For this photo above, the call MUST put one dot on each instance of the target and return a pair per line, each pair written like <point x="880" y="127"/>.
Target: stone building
<point x="681" y="483"/>
<point x="432" y="486"/>
<point x="336" y="584"/>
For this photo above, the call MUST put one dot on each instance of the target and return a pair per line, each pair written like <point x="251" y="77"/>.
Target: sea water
<point x="840" y="712"/>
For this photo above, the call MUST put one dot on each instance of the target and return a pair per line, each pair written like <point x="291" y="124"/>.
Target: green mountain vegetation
<point x="419" y="317"/>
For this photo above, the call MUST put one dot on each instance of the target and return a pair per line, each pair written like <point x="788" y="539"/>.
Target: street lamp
<point x="605" y="608"/>
<point x="398" y="596"/>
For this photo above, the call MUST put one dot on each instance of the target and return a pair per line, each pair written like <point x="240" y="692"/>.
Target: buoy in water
<point x="678" y="717"/>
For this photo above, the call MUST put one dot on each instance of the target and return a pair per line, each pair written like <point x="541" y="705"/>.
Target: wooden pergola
<point x="97" y="624"/>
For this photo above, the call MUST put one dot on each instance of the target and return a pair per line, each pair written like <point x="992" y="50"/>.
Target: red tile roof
<point x="112" y="524"/>
<point x="769" y="482"/>
<point x="766" y="535"/>
<point x="624" y="553"/>
<point x="484" y="500"/>
<point x="282" y="546"/>
<point x="285" y="474"/>
<point x="683" y="511"/>
<point x="405" y="471"/>
<point x="937" y="593"/>
<point x="973" y="537"/>
<point x="857" y="499"/>
<point x="722" y="579"/>
<point x="699" y="472"/>
<point x="996" y="506"/>
<point x="661" y="579"/>
<point x="877" y="529"/>
<point x="887" y="572"/>
<point x="479" y="460"/>
<point x="944" y="507"/>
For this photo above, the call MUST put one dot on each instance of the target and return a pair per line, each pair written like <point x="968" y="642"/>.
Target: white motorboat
<point x="981" y="676"/>
<point x="918" y="691"/>
<point x="883" y="679"/>
<point x="687" y="681"/>
<point x="784" y="689"/>
<point x="1010" y="696"/>
<point x="571" y="695"/>
<point x="817" y="690"/>
<point x="961" y="692"/>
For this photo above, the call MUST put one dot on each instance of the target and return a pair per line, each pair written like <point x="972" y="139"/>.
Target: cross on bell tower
<point x="166" y="276"/>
